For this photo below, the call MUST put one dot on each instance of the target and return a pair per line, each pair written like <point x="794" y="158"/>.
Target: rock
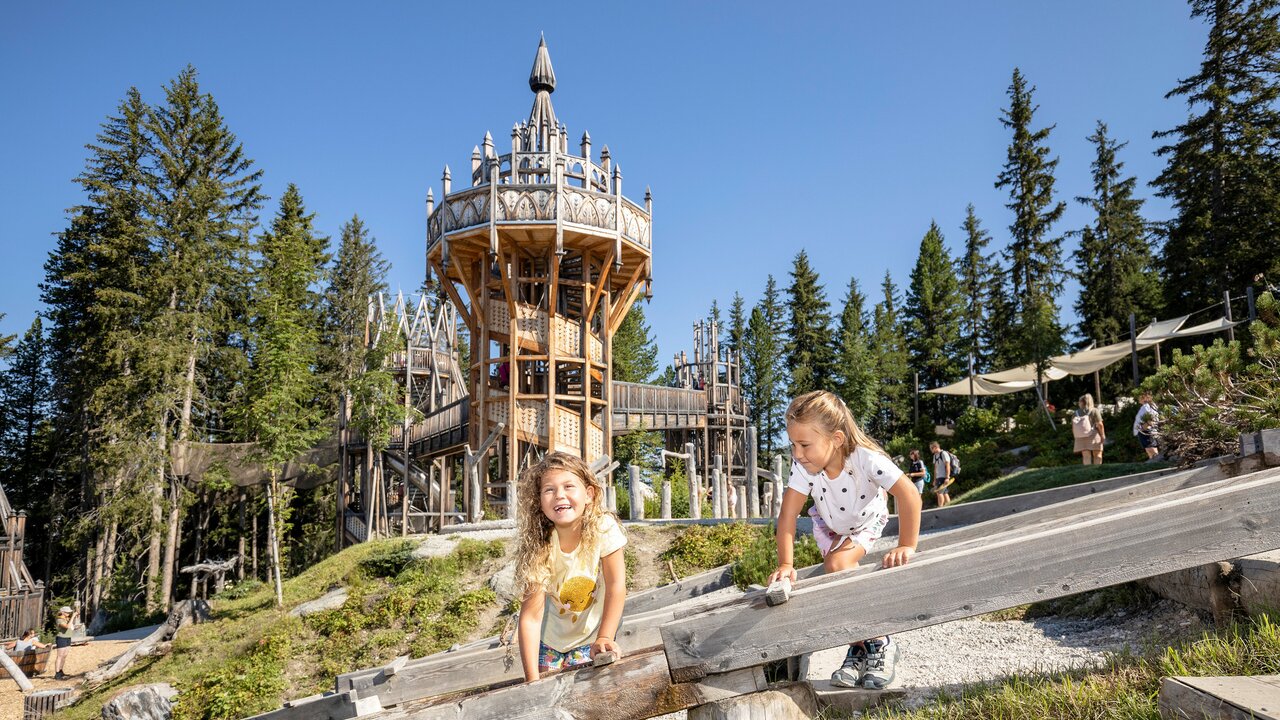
<point x="436" y="546"/>
<point x="141" y="702"/>
<point x="503" y="582"/>
<point x="1021" y="449"/>
<point x="329" y="601"/>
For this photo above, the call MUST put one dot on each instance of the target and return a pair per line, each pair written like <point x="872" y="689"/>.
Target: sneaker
<point x="882" y="659"/>
<point x="59" y="676"/>
<point x="850" y="673"/>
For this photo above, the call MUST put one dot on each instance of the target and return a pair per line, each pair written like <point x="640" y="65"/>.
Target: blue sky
<point x="842" y="128"/>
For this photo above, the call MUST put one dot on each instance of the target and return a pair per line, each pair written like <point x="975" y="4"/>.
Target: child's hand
<point x="605" y="644"/>
<point x="898" y="556"/>
<point x="785" y="570"/>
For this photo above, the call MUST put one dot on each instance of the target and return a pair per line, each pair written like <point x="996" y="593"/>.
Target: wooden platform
<point x="1220" y="698"/>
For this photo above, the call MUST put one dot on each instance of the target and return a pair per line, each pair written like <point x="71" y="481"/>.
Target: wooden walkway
<point x="1220" y="698"/>
<point x="688" y="645"/>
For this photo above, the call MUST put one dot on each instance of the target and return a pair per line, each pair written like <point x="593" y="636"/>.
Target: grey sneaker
<point x="850" y="673"/>
<point x="882" y="659"/>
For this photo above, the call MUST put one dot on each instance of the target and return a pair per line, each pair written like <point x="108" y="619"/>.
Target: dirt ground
<point x="80" y="660"/>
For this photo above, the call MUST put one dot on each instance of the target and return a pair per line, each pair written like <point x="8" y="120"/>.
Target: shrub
<point x="760" y="558"/>
<point x="706" y="546"/>
<point x="1208" y="397"/>
<point x="976" y="425"/>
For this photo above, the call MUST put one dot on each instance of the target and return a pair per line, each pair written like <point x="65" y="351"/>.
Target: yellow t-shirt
<point x="575" y="592"/>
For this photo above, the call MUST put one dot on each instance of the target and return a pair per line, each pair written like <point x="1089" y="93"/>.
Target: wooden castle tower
<point x="543" y="256"/>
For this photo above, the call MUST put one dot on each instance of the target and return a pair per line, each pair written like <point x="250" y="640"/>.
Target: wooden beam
<point x="467" y="315"/>
<point x="592" y="693"/>
<point x="606" y="268"/>
<point x="628" y="295"/>
<point x="1220" y="698"/>
<point x="1224" y="520"/>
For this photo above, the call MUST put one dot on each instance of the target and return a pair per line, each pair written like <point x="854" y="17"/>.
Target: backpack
<point x="1082" y="426"/>
<point x="955" y="464"/>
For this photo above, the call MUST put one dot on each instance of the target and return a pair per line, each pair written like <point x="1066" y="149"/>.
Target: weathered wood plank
<point x="1229" y="519"/>
<point x="1220" y="698"/>
<point x="634" y="687"/>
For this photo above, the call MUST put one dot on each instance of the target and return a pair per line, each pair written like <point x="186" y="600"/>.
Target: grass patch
<point x="702" y="547"/>
<point x="1047" y="478"/>
<point x="1125" y="690"/>
<point x="252" y="656"/>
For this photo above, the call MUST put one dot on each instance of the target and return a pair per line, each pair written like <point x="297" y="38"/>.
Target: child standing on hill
<point x="567" y="542"/>
<point x="846" y="473"/>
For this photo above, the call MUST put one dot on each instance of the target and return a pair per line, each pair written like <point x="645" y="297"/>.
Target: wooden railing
<point x="21" y="611"/>
<point x="641" y="398"/>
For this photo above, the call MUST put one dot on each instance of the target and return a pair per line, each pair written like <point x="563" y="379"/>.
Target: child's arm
<point x="529" y="632"/>
<point x="907" y="501"/>
<point x="792" y="502"/>
<point x="615" y="596"/>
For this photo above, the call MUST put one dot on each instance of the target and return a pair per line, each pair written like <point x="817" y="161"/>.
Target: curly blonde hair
<point x="826" y="412"/>
<point x="533" y="556"/>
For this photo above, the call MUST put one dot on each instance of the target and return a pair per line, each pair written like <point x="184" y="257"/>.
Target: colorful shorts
<point x="552" y="659"/>
<point x="829" y="539"/>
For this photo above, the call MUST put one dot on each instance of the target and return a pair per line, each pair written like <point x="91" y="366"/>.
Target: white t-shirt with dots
<point x="855" y="497"/>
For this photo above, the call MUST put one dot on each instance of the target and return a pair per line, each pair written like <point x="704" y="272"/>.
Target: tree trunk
<point x="240" y="542"/>
<point x="254" y="545"/>
<point x="274" y="549"/>
<point x="175" y="510"/>
<point x="94" y="591"/>
<point x="156" y="490"/>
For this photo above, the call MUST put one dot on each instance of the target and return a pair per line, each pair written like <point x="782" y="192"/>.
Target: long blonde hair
<point x="827" y="413"/>
<point x="533" y="556"/>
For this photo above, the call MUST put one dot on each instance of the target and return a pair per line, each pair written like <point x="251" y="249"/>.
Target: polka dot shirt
<point x="853" y="498"/>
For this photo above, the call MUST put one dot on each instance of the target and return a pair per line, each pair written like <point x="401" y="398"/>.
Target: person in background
<point x="944" y="473"/>
<point x="1144" y="425"/>
<point x="62" y="642"/>
<point x="1089" y="432"/>
<point x="918" y="473"/>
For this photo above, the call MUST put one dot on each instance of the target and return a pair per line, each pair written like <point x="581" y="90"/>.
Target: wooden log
<point x="1259" y="582"/>
<point x="1142" y="539"/>
<point x="753" y="484"/>
<point x="717" y="495"/>
<point x="15" y="672"/>
<point x="43" y="703"/>
<point x="665" y="507"/>
<point x="182" y="613"/>
<point x="1220" y="698"/>
<point x="637" y="497"/>
<point x="793" y="701"/>
<point x="593" y="693"/>
<point x="329" y="706"/>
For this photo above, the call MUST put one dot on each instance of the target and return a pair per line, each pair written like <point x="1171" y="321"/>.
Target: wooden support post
<point x="779" y="484"/>
<point x="753" y="484"/>
<point x="1131" y="542"/>
<point x="1133" y="346"/>
<point x="1226" y="304"/>
<point x="766" y="500"/>
<point x="741" y="509"/>
<point x="695" y="485"/>
<point x="724" y="486"/>
<point x="717" y="500"/>
<point x="666" y="498"/>
<point x="637" y="496"/>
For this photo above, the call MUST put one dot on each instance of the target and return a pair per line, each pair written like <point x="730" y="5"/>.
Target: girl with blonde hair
<point x="846" y="474"/>
<point x="568" y="545"/>
<point x="1089" y="432"/>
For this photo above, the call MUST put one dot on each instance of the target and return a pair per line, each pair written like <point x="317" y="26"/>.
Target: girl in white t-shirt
<point x="569" y="566"/>
<point x="846" y="473"/>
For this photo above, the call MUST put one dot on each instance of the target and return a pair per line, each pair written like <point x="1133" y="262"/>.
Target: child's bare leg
<point x="846" y="556"/>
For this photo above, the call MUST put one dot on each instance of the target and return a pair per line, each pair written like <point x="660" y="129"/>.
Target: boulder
<point x="329" y="601"/>
<point x="141" y="702"/>
<point x="503" y="582"/>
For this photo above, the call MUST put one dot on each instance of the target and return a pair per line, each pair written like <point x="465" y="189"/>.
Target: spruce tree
<point x="1034" y="255"/>
<point x="282" y="413"/>
<point x="208" y="195"/>
<point x="26" y="393"/>
<point x="1114" y="261"/>
<point x="762" y="369"/>
<point x="359" y="272"/>
<point x="933" y="316"/>
<point x="889" y="348"/>
<point x="737" y="322"/>
<point x="810" y="349"/>
<point x="635" y="359"/>
<point x="979" y="277"/>
<point x="1223" y="172"/>
<point x="855" y="366"/>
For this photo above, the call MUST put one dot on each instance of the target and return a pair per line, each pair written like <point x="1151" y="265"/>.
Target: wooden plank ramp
<point x="495" y="664"/>
<point x="1220" y="698"/>
<point x="1223" y="520"/>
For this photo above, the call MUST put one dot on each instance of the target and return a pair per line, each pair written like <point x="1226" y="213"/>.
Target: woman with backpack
<point x="1089" y="432"/>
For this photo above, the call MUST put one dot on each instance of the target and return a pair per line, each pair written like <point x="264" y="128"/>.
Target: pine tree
<point x="26" y="393"/>
<point x="359" y="272"/>
<point x="810" y="351"/>
<point x="933" y="316"/>
<point x="762" y="370"/>
<point x="855" y="367"/>
<point x="1035" y="258"/>
<point x="890" y="352"/>
<point x="282" y="412"/>
<point x="979" y="276"/>
<point x="1114" y="260"/>
<point x="1223" y="172"/>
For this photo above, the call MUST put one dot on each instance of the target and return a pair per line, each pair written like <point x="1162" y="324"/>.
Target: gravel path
<point x="954" y="654"/>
